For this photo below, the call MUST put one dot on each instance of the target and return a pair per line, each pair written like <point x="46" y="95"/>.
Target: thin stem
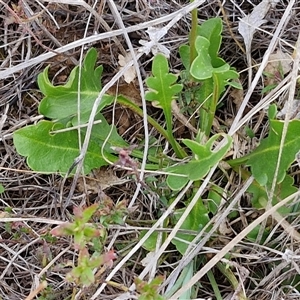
<point x="193" y="35"/>
<point x="176" y="147"/>
<point x="214" y="285"/>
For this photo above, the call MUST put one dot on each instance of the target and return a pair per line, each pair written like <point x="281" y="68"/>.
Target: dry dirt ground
<point x="33" y="34"/>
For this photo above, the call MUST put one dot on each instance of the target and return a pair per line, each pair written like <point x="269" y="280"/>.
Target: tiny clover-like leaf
<point x="61" y="101"/>
<point x="162" y="85"/>
<point x="49" y="152"/>
<point x="263" y="160"/>
<point x="198" y="167"/>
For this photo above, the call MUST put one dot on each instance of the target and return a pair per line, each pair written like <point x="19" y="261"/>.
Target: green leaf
<point x="253" y="234"/>
<point x="162" y="83"/>
<point x="198" y="167"/>
<point x="235" y="84"/>
<point x="211" y="29"/>
<point x="268" y="88"/>
<point x="61" y="101"/>
<point x="184" y="52"/>
<point x="87" y="213"/>
<point x="101" y="131"/>
<point x="214" y="198"/>
<point x="185" y="276"/>
<point x="209" y="95"/>
<point x="263" y="160"/>
<point x="79" y="239"/>
<point x="163" y="91"/>
<point x="148" y="291"/>
<point x="87" y="277"/>
<point x="176" y="183"/>
<point x="150" y="243"/>
<point x="282" y="190"/>
<point x="272" y="111"/>
<point x="49" y="153"/>
<point x="195" y="221"/>
<point x="249" y="132"/>
<point x="202" y="67"/>
<point x="204" y="94"/>
<point x="2" y="189"/>
<point x="221" y="79"/>
<point x="215" y="75"/>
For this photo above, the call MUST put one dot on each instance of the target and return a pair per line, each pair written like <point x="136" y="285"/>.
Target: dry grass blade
<point x="231" y="244"/>
<point x="262" y="66"/>
<point x="98" y="37"/>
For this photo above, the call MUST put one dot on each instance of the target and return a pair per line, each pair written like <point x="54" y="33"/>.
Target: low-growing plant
<point x="58" y="135"/>
<point x="206" y="71"/>
<point x="87" y="236"/>
<point x="148" y="291"/>
<point x="53" y="145"/>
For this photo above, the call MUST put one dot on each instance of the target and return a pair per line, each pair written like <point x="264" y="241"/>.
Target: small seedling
<point x="204" y="66"/>
<point x="148" y="291"/>
<point x="84" y="234"/>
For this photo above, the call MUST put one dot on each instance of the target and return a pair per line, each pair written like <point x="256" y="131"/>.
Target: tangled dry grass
<point x="36" y="33"/>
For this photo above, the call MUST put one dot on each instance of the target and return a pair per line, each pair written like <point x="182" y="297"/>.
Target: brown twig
<point x="18" y="17"/>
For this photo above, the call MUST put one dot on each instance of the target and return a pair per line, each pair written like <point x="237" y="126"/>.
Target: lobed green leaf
<point x="163" y="90"/>
<point x="198" y="167"/>
<point x="263" y="160"/>
<point x="212" y="29"/>
<point x="61" y="101"/>
<point x="47" y="152"/>
<point x="202" y="67"/>
<point x="162" y="83"/>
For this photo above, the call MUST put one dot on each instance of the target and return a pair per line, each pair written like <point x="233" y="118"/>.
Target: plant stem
<point x="176" y="147"/>
<point x="193" y="34"/>
<point x="167" y="134"/>
<point x="232" y="279"/>
<point x="212" y="105"/>
<point x="236" y="162"/>
<point x="214" y="285"/>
